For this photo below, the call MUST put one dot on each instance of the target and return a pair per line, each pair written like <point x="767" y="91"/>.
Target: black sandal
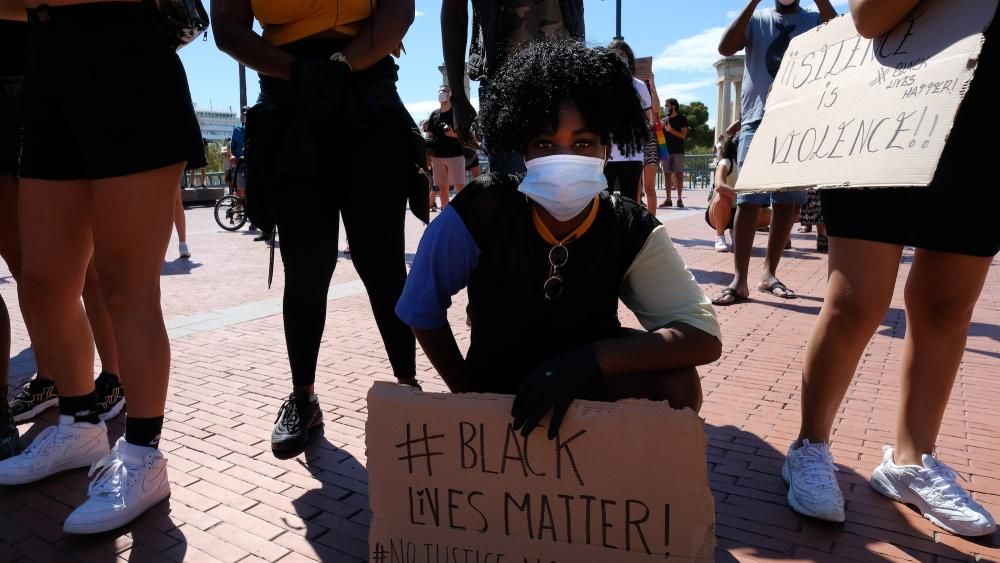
<point x="786" y="293"/>
<point x="727" y="293"/>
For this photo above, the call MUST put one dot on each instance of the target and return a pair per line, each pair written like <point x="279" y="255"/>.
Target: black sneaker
<point x="297" y="418"/>
<point x="110" y="395"/>
<point x="9" y="438"/>
<point x="34" y="398"/>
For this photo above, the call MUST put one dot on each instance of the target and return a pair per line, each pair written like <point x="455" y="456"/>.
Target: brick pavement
<point x="232" y="501"/>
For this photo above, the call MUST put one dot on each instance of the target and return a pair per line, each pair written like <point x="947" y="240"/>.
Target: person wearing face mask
<point x="765" y="34"/>
<point x="547" y="257"/>
<point x="624" y="171"/>
<point x="449" y="155"/>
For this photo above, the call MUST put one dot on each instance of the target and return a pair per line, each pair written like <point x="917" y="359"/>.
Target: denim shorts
<point x="798" y="197"/>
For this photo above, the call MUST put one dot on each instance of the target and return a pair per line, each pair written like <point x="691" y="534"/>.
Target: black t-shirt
<point x="513" y="327"/>
<point x="13" y="48"/>
<point x="675" y="145"/>
<point x="444" y="146"/>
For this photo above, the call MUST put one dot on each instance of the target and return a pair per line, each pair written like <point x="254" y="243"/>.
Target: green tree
<point x="701" y="137"/>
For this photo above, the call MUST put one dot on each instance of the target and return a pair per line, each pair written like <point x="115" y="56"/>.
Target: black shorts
<point x="10" y="124"/>
<point x="956" y="213"/>
<point x="104" y="95"/>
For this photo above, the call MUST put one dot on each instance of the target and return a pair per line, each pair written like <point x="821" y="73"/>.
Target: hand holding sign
<point x="553" y="385"/>
<point x="846" y="111"/>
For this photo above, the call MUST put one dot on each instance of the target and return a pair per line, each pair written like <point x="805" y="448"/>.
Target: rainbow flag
<point x="661" y="140"/>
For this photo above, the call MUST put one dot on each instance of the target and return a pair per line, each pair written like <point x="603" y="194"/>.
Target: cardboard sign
<point x="450" y="482"/>
<point x="849" y="112"/>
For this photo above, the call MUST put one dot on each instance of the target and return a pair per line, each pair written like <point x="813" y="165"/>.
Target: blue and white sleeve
<point x="446" y="257"/>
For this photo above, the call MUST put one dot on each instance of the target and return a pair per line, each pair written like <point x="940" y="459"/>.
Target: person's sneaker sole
<point x="36" y="410"/>
<point x="288" y="449"/>
<point x="798" y="508"/>
<point x="118" y="520"/>
<point x="909" y="498"/>
<point x="114" y="411"/>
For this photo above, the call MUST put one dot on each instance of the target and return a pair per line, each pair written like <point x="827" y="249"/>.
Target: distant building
<point x="216" y="125"/>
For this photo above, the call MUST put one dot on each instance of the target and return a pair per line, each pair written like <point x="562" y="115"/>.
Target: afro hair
<point x="523" y="99"/>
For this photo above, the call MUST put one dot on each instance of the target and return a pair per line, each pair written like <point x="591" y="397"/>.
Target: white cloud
<point x="686" y="92"/>
<point x="423" y="108"/>
<point x="691" y="54"/>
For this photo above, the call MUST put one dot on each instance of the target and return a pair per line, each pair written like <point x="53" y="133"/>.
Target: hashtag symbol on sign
<point x="423" y="441"/>
<point x="380" y="553"/>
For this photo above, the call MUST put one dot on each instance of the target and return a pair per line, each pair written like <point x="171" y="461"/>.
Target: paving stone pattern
<point x="232" y="501"/>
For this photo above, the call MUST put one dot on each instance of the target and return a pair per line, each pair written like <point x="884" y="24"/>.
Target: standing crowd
<point x="547" y="243"/>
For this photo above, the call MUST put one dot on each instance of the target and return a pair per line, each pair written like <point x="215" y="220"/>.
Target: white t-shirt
<point x="647" y="103"/>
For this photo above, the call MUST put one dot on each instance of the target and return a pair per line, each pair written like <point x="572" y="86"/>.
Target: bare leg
<point x="179" y="220"/>
<point x="57" y="245"/>
<point x="744" y="229"/>
<point x="667" y="179"/>
<point x="133" y="216"/>
<point x="720" y="212"/>
<point x="782" y="219"/>
<point x="862" y="277"/>
<point x="100" y="320"/>
<point x="679" y="183"/>
<point x="937" y="325"/>
<point x="444" y="195"/>
<point x="459" y="188"/>
<point x="10" y="252"/>
<point x="649" y="187"/>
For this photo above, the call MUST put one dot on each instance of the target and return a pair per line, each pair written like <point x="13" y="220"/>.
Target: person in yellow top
<point x="328" y="101"/>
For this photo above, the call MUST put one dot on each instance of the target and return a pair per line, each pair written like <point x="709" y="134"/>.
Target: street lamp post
<point x="618" y="19"/>
<point x="243" y="87"/>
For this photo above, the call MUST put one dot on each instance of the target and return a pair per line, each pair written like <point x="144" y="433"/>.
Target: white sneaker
<point x="68" y="445"/>
<point x="812" y="484"/>
<point x="183" y="250"/>
<point x="934" y="490"/>
<point x="720" y="244"/>
<point x="127" y="482"/>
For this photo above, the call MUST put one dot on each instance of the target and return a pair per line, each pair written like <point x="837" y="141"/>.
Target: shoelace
<point x="111" y="479"/>
<point x="289" y="415"/>
<point x="944" y="480"/>
<point x="45" y="440"/>
<point x="816" y="464"/>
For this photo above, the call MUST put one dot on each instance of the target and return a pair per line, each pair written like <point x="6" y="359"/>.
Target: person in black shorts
<point x="868" y="230"/>
<point x="106" y="197"/>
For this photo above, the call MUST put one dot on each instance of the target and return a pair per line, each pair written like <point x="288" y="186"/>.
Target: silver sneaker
<point x="934" y="490"/>
<point x="812" y="482"/>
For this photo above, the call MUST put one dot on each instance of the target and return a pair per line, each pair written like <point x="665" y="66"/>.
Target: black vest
<point x="513" y="327"/>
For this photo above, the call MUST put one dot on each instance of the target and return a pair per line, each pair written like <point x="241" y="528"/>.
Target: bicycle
<point x="231" y="212"/>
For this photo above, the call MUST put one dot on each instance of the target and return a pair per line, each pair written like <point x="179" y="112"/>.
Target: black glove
<point x="553" y="385"/>
<point x="319" y="84"/>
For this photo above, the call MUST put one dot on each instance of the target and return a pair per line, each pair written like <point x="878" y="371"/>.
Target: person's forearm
<point x="733" y="128"/>
<point x="454" y="34"/>
<point x="676" y="346"/>
<point x="441" y="349"/>
<point x="876" y="18"/>
<point x="13" y="10"/>
<point x="826" y="10"/>
<point x="381" y="34"/>
<point x="232" y="21"/>
<point x="735" y="37"/>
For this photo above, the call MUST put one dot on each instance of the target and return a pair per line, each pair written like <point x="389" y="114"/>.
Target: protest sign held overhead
<point x="850" y="112"/>
<point x="451" y="482"/>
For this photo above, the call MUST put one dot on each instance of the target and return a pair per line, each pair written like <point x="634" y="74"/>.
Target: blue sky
<point x="681" y="35"/>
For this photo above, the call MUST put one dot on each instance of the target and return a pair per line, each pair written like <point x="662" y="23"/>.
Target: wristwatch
<point x="339" y="57"/>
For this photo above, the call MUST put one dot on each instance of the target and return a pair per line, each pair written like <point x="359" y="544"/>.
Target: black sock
<point x="82" y="408"/>
<point x="143" y="432"/>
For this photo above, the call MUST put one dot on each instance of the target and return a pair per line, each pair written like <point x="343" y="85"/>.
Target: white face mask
<point x="443" y="97"/>
<point x="564" y="184"/>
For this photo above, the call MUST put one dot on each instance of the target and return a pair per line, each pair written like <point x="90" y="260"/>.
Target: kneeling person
<point x="546" y="257"/>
